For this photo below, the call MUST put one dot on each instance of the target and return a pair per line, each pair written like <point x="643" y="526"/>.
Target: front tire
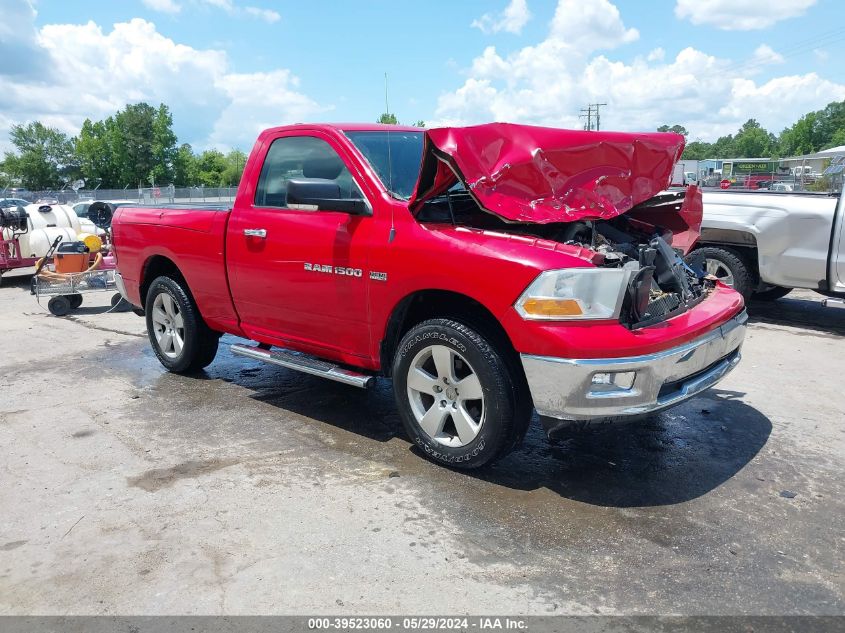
<point x="180" y="338"/>
<point x="727" y="265"/>
<point x="458" y="397"/>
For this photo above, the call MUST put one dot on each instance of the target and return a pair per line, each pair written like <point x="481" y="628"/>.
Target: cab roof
<point x="347" y="127"/>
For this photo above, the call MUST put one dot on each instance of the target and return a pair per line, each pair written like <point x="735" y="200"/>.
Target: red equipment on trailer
<point x="13" y="224"/>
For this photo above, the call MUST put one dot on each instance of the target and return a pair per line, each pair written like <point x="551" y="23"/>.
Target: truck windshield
<point x="397" y="169"/>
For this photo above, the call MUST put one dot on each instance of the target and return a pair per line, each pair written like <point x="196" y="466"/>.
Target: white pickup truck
<point x="766" y="244"/>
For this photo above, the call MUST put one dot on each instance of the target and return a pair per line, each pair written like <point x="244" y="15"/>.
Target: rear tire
<point x="727" y="265"/>
<point x="437" y="360"/>
<point x="75" y="301"/>
<point x="180" y="338"/>
<point x="771" y="294"/>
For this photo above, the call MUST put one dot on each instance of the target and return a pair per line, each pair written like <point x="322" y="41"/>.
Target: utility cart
<point x="65" y="291"/>
<point x="72" y="269"/>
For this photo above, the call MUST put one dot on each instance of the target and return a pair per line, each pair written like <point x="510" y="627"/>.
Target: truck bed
<point x="190" y="237"/>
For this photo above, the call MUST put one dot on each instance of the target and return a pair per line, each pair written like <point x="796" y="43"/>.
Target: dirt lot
<point x="252" y="489"/>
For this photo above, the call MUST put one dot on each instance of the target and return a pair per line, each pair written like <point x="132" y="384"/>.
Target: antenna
<point x="389" y="165"/>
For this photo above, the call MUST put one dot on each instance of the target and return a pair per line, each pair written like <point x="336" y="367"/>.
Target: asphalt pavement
<point x="254" y="489"/>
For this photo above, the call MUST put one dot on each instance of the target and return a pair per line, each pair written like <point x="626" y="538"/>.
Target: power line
<point x="796" y="49"/>
<point x="593" y="110"/>
<point x="589" y="116"/>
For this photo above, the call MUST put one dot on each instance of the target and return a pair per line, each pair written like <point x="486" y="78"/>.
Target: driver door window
<point x="302" y="157"/>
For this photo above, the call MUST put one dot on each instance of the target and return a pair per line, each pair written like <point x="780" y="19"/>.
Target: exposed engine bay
<point x="661" y="284"/>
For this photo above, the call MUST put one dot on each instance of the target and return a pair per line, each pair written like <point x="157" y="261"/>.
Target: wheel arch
<point x="422" y="305"/>
<point x="158" y="266"/>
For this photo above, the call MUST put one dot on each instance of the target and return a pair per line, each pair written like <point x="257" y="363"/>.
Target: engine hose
<point x="49" y="275"/>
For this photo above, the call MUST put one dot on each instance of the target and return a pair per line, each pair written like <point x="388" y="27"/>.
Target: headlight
<point x="574" y="294"/>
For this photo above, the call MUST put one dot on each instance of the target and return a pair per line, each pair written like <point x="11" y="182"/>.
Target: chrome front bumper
<point x="604" y="389"/>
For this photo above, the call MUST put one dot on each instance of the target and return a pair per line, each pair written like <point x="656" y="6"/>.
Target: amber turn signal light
<point x="552" y="307"/>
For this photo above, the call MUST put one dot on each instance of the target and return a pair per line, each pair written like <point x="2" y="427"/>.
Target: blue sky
<point x="228" y="67"/>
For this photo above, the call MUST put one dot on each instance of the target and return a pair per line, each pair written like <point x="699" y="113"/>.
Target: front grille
<point x="660" y="307"/>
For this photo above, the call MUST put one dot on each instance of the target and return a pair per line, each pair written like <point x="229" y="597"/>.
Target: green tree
<point x="94" y="156"/>
<point x="163" y="146"/>
<point x="697" y="150"/>
<point x="5" y="178"/>
<point x="677" y="129"/>
<point x="802" y="138"/>
<point x="45" y="157"/>
<point x="837" y="140"/>
<point x="210" y="167"/>
<point x="185" y="168"/>
<point x="419" y="123"/>
<point x="134" y="127"/>
<point x="831" y="121"/>
<point x="235" y="162"/>
<point x="752" y="141"/>
<point x="135" y="146"/>
<point x="388" y="118"/>
<point x="724" y="147"/>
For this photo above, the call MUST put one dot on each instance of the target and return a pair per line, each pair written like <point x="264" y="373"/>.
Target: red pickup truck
<point x="488" y="270"/>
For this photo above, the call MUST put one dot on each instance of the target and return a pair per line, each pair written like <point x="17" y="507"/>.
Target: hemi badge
<point x="378" y="276"/>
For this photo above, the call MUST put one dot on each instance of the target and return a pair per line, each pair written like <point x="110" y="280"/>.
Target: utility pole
<point x="590" y="110"/>
<point x="589" y="116"/>
<point x="598" y="115"/>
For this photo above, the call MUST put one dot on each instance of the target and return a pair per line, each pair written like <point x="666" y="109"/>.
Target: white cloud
<point x="785" y="98"/>
<point x="512" y="19"/>
<point x="765" y="54"/>
<point x="547" y="83"/>
<point x="163" y="6"/>
<point x="821" y="54"/>
<point x="590" y="25"/>
<point x="211" y="104"/>
<point x="226" y="5"/>
<point x="740" y="15"/>
<point x="19" y="53"/>
<point x="268" y="15"/>
<point x="263" y="96"/>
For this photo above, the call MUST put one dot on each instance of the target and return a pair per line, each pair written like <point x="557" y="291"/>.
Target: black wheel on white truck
<point x="179" y="336"/>
<point x="461" y="398"/>
<point x="732" y="268"/>
<point x="727" y="265"/>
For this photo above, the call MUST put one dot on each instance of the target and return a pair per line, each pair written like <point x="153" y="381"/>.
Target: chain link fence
<point x="143" y="195"/>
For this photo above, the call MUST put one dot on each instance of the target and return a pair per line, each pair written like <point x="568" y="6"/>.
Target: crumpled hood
<point x="524" y="173"/>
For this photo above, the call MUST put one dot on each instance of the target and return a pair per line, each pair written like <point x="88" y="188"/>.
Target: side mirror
<point x="319" y="194"/>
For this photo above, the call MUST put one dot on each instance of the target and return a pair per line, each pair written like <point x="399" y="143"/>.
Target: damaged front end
<point x="600" y="196"/>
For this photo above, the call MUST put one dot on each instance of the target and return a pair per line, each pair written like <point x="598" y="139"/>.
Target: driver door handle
<point x="262" y="233"/>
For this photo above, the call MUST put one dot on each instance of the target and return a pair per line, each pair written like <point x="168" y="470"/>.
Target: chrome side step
<point x="304" y="363"/>
<point x="834" y="303"/>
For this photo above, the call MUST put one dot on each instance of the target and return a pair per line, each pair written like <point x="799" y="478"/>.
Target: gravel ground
<point x="253" y="489"/>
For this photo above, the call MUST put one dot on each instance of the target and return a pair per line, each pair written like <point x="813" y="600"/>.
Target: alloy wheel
<point x="446" y="397"/>
<point x="168" y="325"/>
<point x="719" y="270"/>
